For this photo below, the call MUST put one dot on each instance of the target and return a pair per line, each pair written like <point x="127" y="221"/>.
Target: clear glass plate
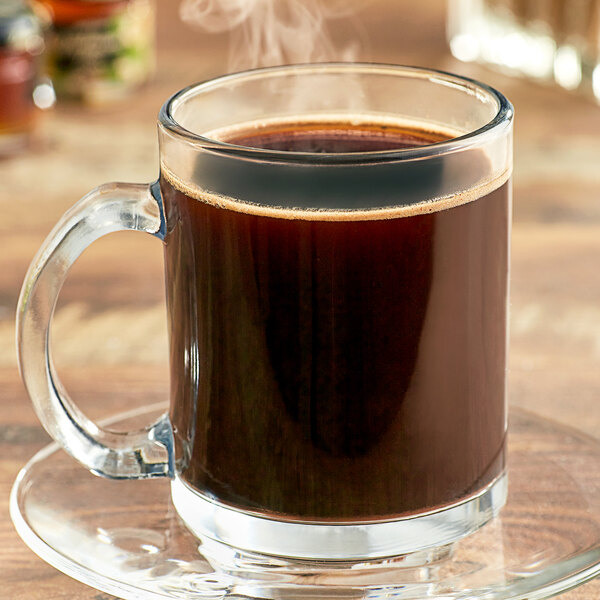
<point x="124" y="537"/>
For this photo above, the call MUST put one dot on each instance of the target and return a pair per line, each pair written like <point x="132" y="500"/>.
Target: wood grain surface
<point x="109" y="331"/>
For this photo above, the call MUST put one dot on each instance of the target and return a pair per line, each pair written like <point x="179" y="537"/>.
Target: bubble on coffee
<point x="275" y="32"/>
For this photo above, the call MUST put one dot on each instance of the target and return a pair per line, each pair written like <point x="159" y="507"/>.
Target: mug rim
<point x="501" y="121"/>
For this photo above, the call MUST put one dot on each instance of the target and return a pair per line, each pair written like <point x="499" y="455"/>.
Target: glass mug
<point x="336" y="242"/>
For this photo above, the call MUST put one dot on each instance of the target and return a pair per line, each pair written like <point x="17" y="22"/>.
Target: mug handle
<point x="131" y="455"/>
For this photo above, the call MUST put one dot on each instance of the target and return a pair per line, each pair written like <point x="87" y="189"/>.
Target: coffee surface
<point x="337" y="369"/>
<point x="336" y="138"/>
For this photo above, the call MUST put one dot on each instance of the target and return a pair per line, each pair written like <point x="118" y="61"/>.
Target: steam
<point x="275" y="32"/>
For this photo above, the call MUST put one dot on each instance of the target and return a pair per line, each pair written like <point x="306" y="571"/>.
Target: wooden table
<point x="110" y="328"/>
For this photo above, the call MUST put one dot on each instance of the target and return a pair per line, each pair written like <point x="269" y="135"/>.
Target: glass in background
<point x="553" y="40"/>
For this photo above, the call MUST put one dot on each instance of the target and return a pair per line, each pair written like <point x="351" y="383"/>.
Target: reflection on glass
<point x="556" y="40"/>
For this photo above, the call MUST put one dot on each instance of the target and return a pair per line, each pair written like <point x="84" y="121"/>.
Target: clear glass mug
<point x="337" y="319"/>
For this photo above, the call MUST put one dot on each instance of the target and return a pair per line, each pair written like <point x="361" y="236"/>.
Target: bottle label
<point x="99" y="60"/>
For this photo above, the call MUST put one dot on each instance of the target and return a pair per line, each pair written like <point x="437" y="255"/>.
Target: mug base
<point x="210" y="520"/>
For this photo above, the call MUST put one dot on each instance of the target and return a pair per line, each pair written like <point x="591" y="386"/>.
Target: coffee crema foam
<point x="371" y="126"/>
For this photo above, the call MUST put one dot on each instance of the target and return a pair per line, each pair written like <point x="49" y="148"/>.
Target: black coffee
<point x="337" y="368"/>
<point x="336" y="138"/>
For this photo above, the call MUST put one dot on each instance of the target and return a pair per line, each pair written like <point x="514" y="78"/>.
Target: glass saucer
<point x="124" y="537"/>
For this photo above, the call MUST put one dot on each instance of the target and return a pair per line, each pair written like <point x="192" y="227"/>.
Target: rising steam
<point x="275" y="32"/>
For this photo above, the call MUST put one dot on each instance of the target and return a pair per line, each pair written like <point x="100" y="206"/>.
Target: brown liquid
<point x="336" y="138"/>
<point x="335" y="369"/>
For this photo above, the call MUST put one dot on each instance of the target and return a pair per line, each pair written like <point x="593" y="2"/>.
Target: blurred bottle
<point x="100" y="50"/>
<point x="556" y="40"/>
<point x="22" y="88"/>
